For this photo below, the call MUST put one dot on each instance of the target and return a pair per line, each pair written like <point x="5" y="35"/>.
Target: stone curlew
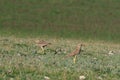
<point x="42" y="44"/>
<point x="75" y="52"/>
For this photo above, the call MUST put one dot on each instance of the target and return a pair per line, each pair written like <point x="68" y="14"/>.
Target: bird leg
<point x="74" y="59"/>
<point x="42" y="49"/>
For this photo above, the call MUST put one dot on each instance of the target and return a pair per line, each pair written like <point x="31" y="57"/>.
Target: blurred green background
<point x="84" y="19"/>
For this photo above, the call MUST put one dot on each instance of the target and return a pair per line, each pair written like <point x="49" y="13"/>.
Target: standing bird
<point x="75" y="52"/>
<point x="42" y="44"/>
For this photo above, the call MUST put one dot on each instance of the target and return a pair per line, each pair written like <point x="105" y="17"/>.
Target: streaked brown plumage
<point x="76" y="51"/>
<point x="42" y="43"/>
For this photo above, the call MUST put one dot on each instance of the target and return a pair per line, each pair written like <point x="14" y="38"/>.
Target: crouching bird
<point x="42" y="44"/>
<point x="77" y="50"/>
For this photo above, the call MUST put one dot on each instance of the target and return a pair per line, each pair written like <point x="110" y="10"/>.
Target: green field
<point x="64" y="23"/>
<point x="21" y="59"/>
<point x="84" y="19"/>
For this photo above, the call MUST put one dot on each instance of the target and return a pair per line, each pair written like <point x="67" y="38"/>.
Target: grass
<point x="65" y="23"/>
<point x="21" y="59"/>
<point x="88" y="19"/>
